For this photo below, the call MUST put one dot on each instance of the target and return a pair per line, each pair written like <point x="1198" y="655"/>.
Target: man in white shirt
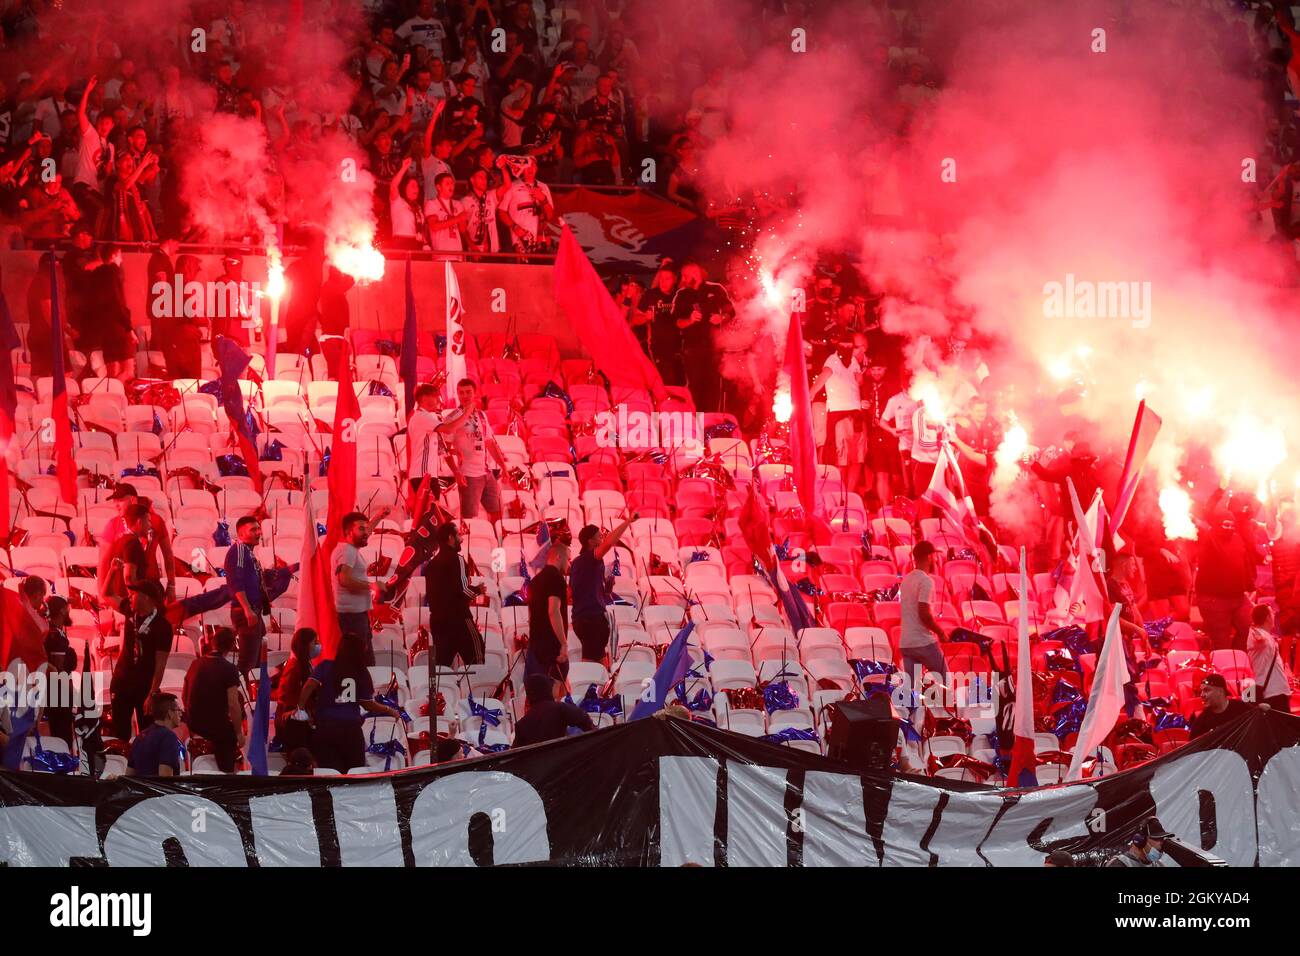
<point x="920" y="634"/>
<point x="424" y="29"/>
<point x="897" y="420"/>
<point x="471" y="440"/>
<point x="444" y="216"/>
<point x="927" y="440"/>
<point x="95" y="154"/>
<point x="841" y="376"/>
<point x="352" y="588"/>
<point x="479" y="206"/>
<point x="526" y="206"/>
<point x="422" y="439"/>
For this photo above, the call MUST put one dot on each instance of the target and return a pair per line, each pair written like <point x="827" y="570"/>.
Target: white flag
<point x="1106" y="701"/>
<point x="455" y="336"/>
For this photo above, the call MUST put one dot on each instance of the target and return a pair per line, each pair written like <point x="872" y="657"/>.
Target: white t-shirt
<point x="898" y="416"/>
<point x="423" y="442"/>
<point x="403" y="219"/>
<point x="914" y="591"/>
<point x="842" y="391"/>
<point x="445" y="239"/>
<point x="519" y="205"/>
<point x="426" y="32"/>
<point x="88" y="157"/>
<point x="1264" y="656"/>
<point x="350" y="602"/>
<point x="470" y="443"/>
<point x="926" y="435"/>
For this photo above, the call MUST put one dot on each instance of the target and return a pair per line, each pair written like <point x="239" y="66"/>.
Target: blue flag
<point x="258" y="733"/>
<point x="672" y="671"/>
<point x="22" y="725"/>
<point x="410" y="346"/>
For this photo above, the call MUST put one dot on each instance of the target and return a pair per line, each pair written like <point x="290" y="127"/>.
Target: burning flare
<point x="1176" y="510"/>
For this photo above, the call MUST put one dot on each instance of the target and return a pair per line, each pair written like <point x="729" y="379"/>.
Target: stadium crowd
<point x="529" y="616"/>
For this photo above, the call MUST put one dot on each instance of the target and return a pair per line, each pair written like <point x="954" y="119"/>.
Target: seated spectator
<point x="213" y="703"/>
<point x="547" y="718"/>
<point x="300" y="763"/>
<point x="304" y="651"/>
<point x="157" y="751"/>
<point x="335" y="698"/>
<point x="1220" y="707"/>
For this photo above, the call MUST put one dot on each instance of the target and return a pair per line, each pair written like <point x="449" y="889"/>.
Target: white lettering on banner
<point x="365" y="816"/>
<point x="756" y="821"/>
<point x="137" y="836"/>
<point x="1176" y="789"/>
<point x="963" y="824"/>
<point x="46" y="836"/>
<point x="688" y="806"/>
<point x="911" y="807"/>
<point x="835" y="821"/>
<point x="284" y="830"/>
<point x="1066" y="807"/>
<point x="442" y="812"/>
<point x="1275" y="806"/>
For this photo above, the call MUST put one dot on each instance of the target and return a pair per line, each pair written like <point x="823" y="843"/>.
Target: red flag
<point x="1145" y="428"/>
<point x="599" y="325"/>
<point x="8" y="408"/>
<point x="755" y="530"/>
<point x="64" y="467"/>
<point x="316" y="587"/>
<point x="803" y="450"/>
<point x="343" y="446"/>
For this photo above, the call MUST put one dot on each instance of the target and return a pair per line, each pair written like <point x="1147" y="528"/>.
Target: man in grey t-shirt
<point x="352" y="590"/>
<point x="920" y="635"/>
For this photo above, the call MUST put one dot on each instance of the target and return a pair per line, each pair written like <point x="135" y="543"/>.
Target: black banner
<point x="661" y="792"/>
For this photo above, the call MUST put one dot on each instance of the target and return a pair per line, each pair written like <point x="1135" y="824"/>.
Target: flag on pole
<point x="63" y="464"/>
<point x="1106" y="701"/>
<point x="957" y="506"/>
<point x="754" y="528"/>
<point x="598" y="323"/>
<point x="803" y="450"/>
<point x="1145" y="428"/>
<point x="8" y="409"/>
<point x="259" y="732"/>
<point x="342" y="475"/>
<point x="455" y="334"/>
<point x="316" y="586"/>
<point x="672" y="671"/>
<point x="231" y="363"/>
<point x="411" y="348"/>
<point x="1022" y="773"/>
<point x="758" y="536"/>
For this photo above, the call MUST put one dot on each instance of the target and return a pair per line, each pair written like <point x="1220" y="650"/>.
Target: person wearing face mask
<point x="213" y="709"/>
<point x="304" y="652"/>
<point x="1225" y="572"/>
<point x="1146" y="848"/>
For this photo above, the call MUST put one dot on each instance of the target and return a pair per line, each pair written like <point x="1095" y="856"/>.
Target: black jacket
<point x="447" y="587"/>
